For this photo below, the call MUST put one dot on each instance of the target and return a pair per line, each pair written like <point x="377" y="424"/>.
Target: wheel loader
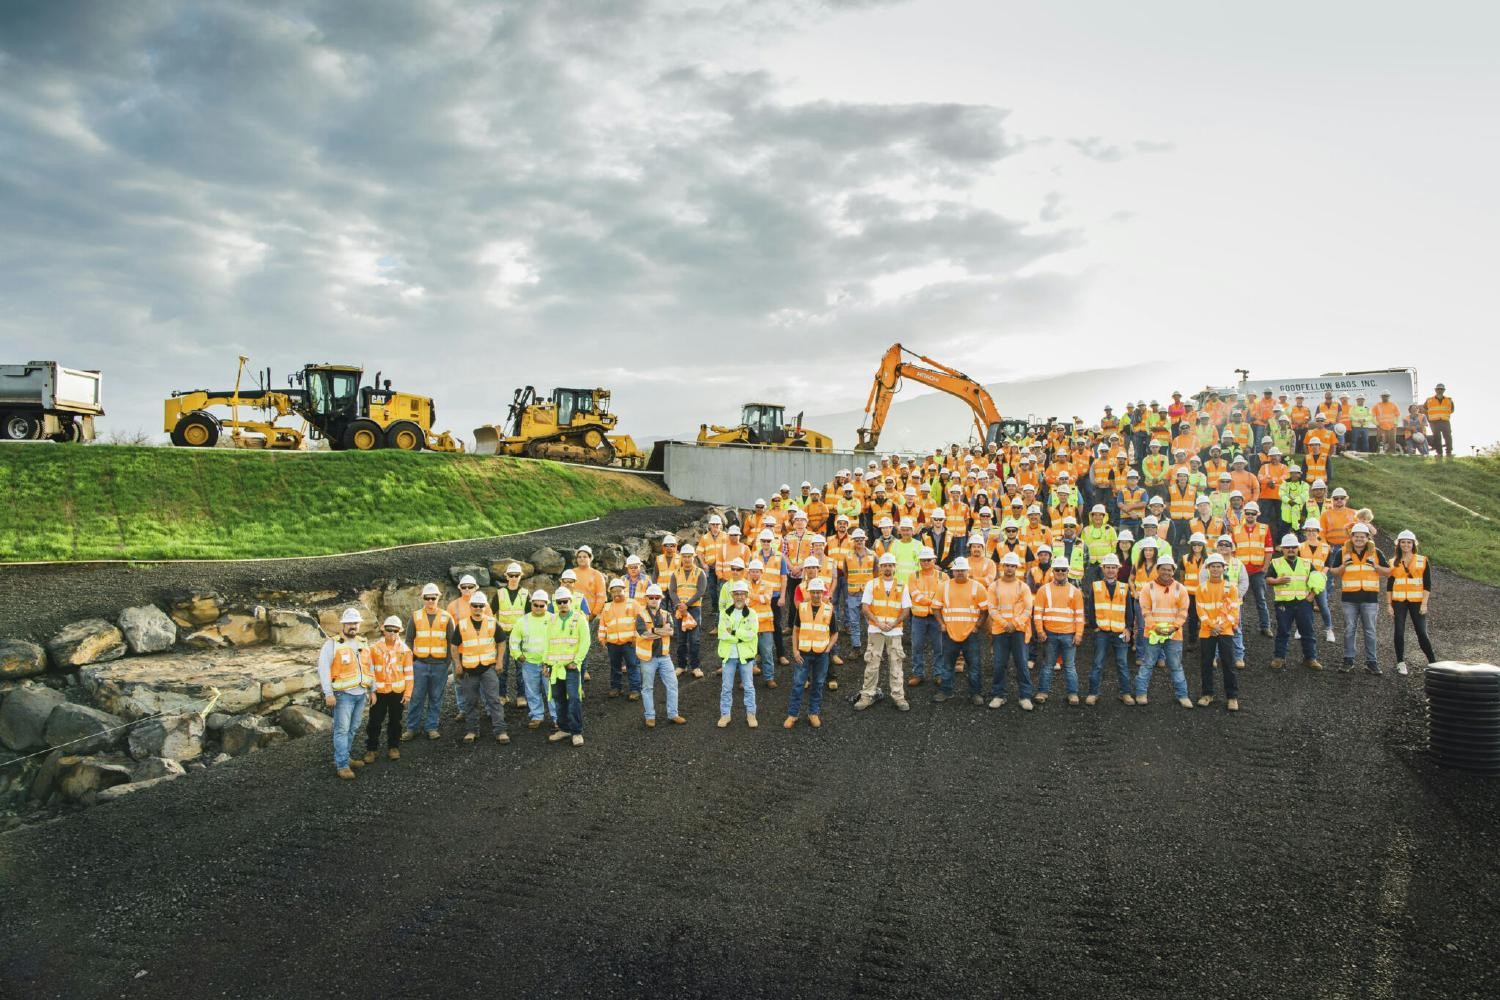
<point x="573" y="425"/>
<point x="328" y="398"/>
<point x="764" y="425"/>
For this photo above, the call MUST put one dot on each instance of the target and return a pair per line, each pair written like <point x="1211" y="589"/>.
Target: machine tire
<point x="364" y="435"/>
<point x="72" y="432"/>
<point x="405" y="436"/>
<point x="20" y="427"/>
<point x="196" y="430"/>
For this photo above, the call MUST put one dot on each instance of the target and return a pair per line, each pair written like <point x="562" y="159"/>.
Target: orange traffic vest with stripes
<point x="617" y="622"/>
<point x="923" y="587"/>
<point x="1180" y="503"/>
<point x="1211" y="529"/>
<point x="1361" y="572"/>
<point x="759" y="598"/>
<point x="1439" y="409"/>
<point x="1272" y="475"/>
<point x="391" y="666"/>
<point x="1059" y="610"/>
<point x="1010" y="607"/>
<point x="962" y="603"/>
<point x="1190" y="571"/>
<point x="1109" y="611"/>
<point x="645" y="645"/>
<point x="1316" y="467"/>
<point x="798" y="547"/>
<point x="708" y="548"/>
<point x="827" y="571"/>
<point x="771" y="573"/>
<point x="665" y="567"/>
<point x="1218" y="606"/>
<point x="429" y="635"/>
<point x="958" y="516"/>
<point x="1250" y="545"/>
<point x="350" y="667"/>
<point x="885" y="600"/>
<point x="478" y="648"/>
<point x="731" y="550"/>
<point x="1407" y="582"/>
<point x="882" y="508"/>
<point x="1315" y="554"/>
<point x="812" y="627"/>
<point x="859" y="570"/>
<point x="685" y="579"/>
<point x="1164" y="605"/>
<point x="838" y="547"/>
<point x="1336" y="522"/>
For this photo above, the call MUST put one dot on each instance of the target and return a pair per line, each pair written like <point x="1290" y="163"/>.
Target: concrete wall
<point x="740" y="476"/>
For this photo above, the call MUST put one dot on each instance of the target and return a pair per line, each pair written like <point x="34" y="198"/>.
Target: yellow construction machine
<point x="764" y="425"/>
<point x="327" y="397"/>
<point x="574" y="425"/>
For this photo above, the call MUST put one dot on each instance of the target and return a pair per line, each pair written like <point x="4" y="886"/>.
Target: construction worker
<point x="1154" y="467"/>
<point x="857" y="570"/>
<point x="1218" y="604"/>
<point x="1359" y="568"/>
<point x="940" y="538"/>
<point x="759" y="598"/>
<point x="347" y="679"/>
<point x="1107" y="610"/>
<point x="391" y="669"/>
<point x="427" y="636"/>
<point x="1010" y="624"/>
<point x="1253" y="547"/>
<point x="688" y="584"/>
<point x="959" y="606"/>
<point x="1294" y="495"/>
<point x="1294" y="583"/>
<point x="738" y="642"/>
<point x="510" y="605"/>
<point x="774" y="573"/>
<point x="1271" y="475"/>
<point x="1182" y="499"/>
<point x="1408" y="591"/>
<point x="886" y="606"/>
<point x="1439" y="407"/>
<point x="653" y="650"/>
<point x="1317" y="552"/>
<point x="729" y="573"/>
<point x="1387" y="421"/>
<point x="1164" y="611"/>
<point x="1131" y="503"/>
<point x="475" y="647"/>
<point x="1338" y="518"/>
<point x="458" y="610"/>
<point x="617" y="634"/>
<point x="813" y="638"/>
<point x="591" y="585"/>
<point x="926" y="631"/>
<point x="1361" y="426"/>
<point x="567" y="646"/>
<point x="708" y="552"/>
<point x="1058" y="619"/>
<point x="529" y="641"/>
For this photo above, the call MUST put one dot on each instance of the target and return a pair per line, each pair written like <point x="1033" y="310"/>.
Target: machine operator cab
<point x="765" y="423"/>
<point x="572" y="402"/>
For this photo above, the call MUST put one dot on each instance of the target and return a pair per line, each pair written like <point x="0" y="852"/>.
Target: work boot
<point x="587" y="676"/>
<point x="520" y="702"/>
<point x="782" y="660"/>
<point x="752" y="721"/>
<point x="1140" y="699"/>
<point x="914" y="680"/>
<point x="1401" y="668"/>
<point x="833" y="684"/>
<point x="502" y="737"/>
<point x="1277" y="663"/>
<point x="1072" y="699"/>
<point x="556" y="737"/>
<point x="345" y="773"/>
<point x="902" y="705"/>
<point x="977" y="700"/>
<point x="534" y="724"/>
<point x="470" y="737"/>
<point x="816" y="721"/>
<point x="1315" y="665"/>
<point x="698" y="673"/>
<point x="1205" y="701"/>
<point x="772" y="683"/>
<point x="939" y="698"/>
<point x="1328" y="635"/>
<point x="1239" y="664"/>
<point x="791" y="722"/>
<point x="1092" y="699"/>
<point x="1346" y="667"/>
<point x="996" y="702"/>
<point x="1041" y="699"/>
<point x="370" y="756"/>
<point x="755" y="671"/>
<point x="723" y="722"/>
<point x="1266" y="632"/>
<point x="393" y="754"/>
<point x="578" y="739"/>
<point x="504" y="701"/>
<point x="1126" y="699"/>
<point x="1185" y="702"/>
<point x="650" y="723"/>
<point x="1026" y="705"/>
<point x="356" y="763"/>
<point x="1370" y="668"/>
<point x="678" y="720"/>
<point x="838" y="661"/>
<point x="632" y="696"/>
<point x="433" y="734"/>
<point x="406" y="735"/>
<point x="864" y="702"/>
<point x="613" y="694"/>
<point x="1233" y="704"/>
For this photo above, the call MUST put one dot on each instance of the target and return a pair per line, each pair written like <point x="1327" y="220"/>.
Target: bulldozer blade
<point x="487" y="439"/>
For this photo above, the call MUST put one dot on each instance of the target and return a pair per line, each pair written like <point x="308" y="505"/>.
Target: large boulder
<point x="92" y="640"/>
<point x="157" y="767"/>
<point x="610" y="558"/>
<point x="19" y="658"/>
<point x="299" y="721"/>
<point x="120" y="791"/>
<point x="249" y="733"/>
<point x="499" y="566"/>
<point x="175" y="737"/>
<point x="296" y="628"/>
<point x="80" y="729"/>
<point x="241" y="679"/>
<point x="539" y="582"/>
<point x="45" y="782"/>
<point x="547" y="560"/>
<point x="197" y="607"/>
<point x="480" y="573"/>
<point x="369" y="604"/>
<point x="147" y="629"/>
<point x="231" y="631"/>
<point x="401" y="601"/>
<point x="78" y="776"/>
<point x="24" y="714"/>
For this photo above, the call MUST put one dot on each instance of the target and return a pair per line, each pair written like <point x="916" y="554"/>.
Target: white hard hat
<point x="885" y="522"/>
<point x="986" y="512"/>
<point x="431" y="590"/>
<point x="562" y="594"/>
<point x="467" y="579"/>
<point x="351" y="617"/>
<point x="1290" y="539"/>
<point x="1224" y="538"/>
<point x="1110" y="559"/>
<point x="1098" y="508"/>
<point x="1407" y="536"/>
<point x="810" y="561"/>
<point x="1035" y="508"/>
<point x="513" y="568"/>
<point x="1203" y="500"/>
<point x="669" y="540"/>
<point x="584" y="548"/>
<point x="1149" y="519"/>
<point x="755" y="564"/>
<point x="1062" y="475"/>
<point x="1225" y="477"/>
<point x="857" y="533"/>
<point x="907" y="522"/>
<point x="617" y="582"/>
<point x="1125" y="536"/>
<point x="1274" y="451"/>
<point x="479" y="599"/>
<point x="1214" y="560"/>
<point x="1147" y="542"/>
<point x="688" y="550"/>
<point x="539" y="595"/>
<point x="798" y="514"/>
<point x="1132" y="474"/>
<point x="1236" y="493"/>
<point x="392" y="622"/>
<point x="1167" y="560"/>
<point x="806" y="484"/>
<point x="816" y="539"/>
<point x="1070" y="519"/>
<point x="653" y="591"/>
<point x="736" y="563"/>
<point x="760" y="502"/>
<point x="1253" y="506"/>
<point x="1044" y="548"/>
<point x="1339" y="492"/>
<point x="1010" y="559"/>
<point x="1199" y="537"/>
<point x="959" y="563"/>
<point x="734" y="529"/>
<point x="740" y="587"/>
<point x="1156" y="500"/>
<point x="1312" y="524"/>
<point x="977" y="540"/>
<point x="938" y="514"/>
<point x="889" y="559"/>
<point x="1061" y="562"/>
<point x="817" y="583"/>
<point x="715" y="519"/>
<point x="568" y="574"/>
<point x="1319" y="484"/>
<point x="1359" y="528"/>
<point x="632" y="560"/>
<point x="841" y="519"/>
<point x="911" y="491"/>
<point x="766" y="535"/>
<point x="926" y="553"/>
<point x="1293" y="467"/>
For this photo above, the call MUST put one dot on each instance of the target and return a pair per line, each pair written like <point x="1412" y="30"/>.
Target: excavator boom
<point x="893" y="368"/>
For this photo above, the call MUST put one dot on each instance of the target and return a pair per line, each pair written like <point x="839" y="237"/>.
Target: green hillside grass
<point x="1405" y="492"/>
<point x="120" y="502"/>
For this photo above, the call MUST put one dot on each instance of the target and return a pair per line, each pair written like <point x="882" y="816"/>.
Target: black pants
<point x="1418" y="622"/>
<point x="1222" y="648"/>
<point x="1442" y="436"/>
<point x="776" y="626"/>
<point x="387" y="709"/>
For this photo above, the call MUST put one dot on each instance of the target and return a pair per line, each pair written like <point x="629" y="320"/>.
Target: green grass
<point x="1404" y="493"/>
<point x="120" y="502"/>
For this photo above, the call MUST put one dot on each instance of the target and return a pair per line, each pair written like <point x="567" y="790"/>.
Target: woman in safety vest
<point x="1408" y="591"/>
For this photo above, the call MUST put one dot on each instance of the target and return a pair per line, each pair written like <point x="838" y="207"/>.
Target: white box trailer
<point x="1401" y="383"/>
<point x="43" y="400"/>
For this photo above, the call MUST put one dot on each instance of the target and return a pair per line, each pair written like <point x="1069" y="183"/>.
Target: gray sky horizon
<point x="700" y="203"/>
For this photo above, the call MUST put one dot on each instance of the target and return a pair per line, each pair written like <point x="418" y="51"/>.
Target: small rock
<point x="299" y="721"/>
<point x="93" y="640"/>
<point x="250" y="733"/>
<point x="222" y="758"/>
<point x="232" y="630"/>
<point x="218" y="720"/>
<point x="176" y="737"/>
<point x="130" y="787"/>
<point x="547" y="560"/>
<point x="157" y="767"/>
<point x="147" y="629"/>
<point x="78" y="776"/>
<point x="610" y="558"/>
<point x="80" y="729"/>
<point x="23" y="716"/>
<point x="46" y="777"/>
<point x="19" y="658"/>
<point x="295" y="628"/>
<point x="198" y="607"/>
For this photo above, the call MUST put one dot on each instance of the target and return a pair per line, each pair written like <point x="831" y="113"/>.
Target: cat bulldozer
<point x="763" y="425"/>
<point x="574" y="425"/>
<point x="329" y="399"/>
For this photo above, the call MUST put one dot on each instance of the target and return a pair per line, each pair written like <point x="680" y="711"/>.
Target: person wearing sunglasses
<point x="567" y="646"/>
<point x="427" y="637"/>
<point x="528" y="645"/>
<point x="391" y="663"/>
<point x="474" y="645"/>
<point x="458" y="611"/>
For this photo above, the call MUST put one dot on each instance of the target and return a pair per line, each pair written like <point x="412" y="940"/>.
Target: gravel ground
<point x="42" y="599"/>
<point x="1306" y="847"/>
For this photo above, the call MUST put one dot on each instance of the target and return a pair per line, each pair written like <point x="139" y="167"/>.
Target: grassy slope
<point x="112" y="502"/>
<point x="1404" y="493"/>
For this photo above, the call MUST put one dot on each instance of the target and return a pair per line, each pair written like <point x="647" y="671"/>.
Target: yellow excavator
<point x="329" y="399"/>
<point x="574" y="425"/>
<point x="764" y="425"/>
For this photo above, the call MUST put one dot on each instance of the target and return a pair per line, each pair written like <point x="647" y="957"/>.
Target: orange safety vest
<point x="1315" y="554"/>
<point x="923" y="587"/>
<point x="1271" y="477"/>
<point x="1165" y="604"/>
<point x="1059" y="614"/>
<point x="665" y="568"/>
<point x="1180" y="503"/>
<point x="858" y="570"/>
<point x="812" y="627"/>
<point x="1109" y="612"/>
<point x="429" y="635"/>
<point x="1190" y="570"/>
<point x="1218" y="607"/>
<point x="759" y="598"/>
<point x="1010" y="607"/>
<point x="708" y="547"/>
<point x="617" y="622"/>
<point x="646" y="644"/>
<point x="350" y="667"/>
<point x="885" y="599"/>
<point x="771" y="573"/>
<point x="1336" y="522"/>
<point x="478" y="647"/>
<point x="391" y="666"/>
<point x="1387" y="415"/>
<point x="961" y="605"/>
<point x="1407" y="583"/>
<point x="1250" y="546"/>
<point x="1361" y="573"/>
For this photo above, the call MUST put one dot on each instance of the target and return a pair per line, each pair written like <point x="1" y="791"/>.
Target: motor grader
<point x="328" y="398"/>
<point x="763" y="425"/>
<point x="573" y="425"/>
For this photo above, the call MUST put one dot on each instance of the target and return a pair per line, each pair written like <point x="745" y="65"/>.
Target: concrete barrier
<point x="740" y="476"/>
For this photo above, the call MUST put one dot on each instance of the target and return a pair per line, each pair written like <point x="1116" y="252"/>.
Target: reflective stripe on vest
<point x="1180" y="504"/>
<point x="962" y="615"/>
<point x="771" y="573"/>
<point x="1250" y="547"/>
<point x="812" y="627"/>
<point x="562" y="643"/>
<point x="1361" y="574"/>
<point x="1297" y="588"/>
<point x="1407" y="583"/>
<point x="645" y="645"/>
<point x="429" y="639"/>
<point x="1215" y="604"/>
<point x="885" y="599"/>
<point x="509" y="609"/>
<point x="478" y="648"/>
<point x="860" y="570"/>
<point x="350" y="667"/>
<point x="617" y="622"/>
<point x="1058" y="614"/>
<point x="388" y="664"/>
<point x="1109" y="612"/>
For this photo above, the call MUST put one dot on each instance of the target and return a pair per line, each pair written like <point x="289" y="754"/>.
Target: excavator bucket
<point x="627" y="454"/>
<point x="444" y="442"/>
<point x="487" y="439"/>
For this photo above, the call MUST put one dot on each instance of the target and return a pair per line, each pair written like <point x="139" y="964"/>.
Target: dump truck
<point x="329" y="399"/>
<point x="572" y="425"/>
<point x="763" y="425"/>
<point x="42" y="400"/>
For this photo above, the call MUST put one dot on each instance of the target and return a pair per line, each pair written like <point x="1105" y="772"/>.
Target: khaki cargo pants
<point x="878" y="645"/>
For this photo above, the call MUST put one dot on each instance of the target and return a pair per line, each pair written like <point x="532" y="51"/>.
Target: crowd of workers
<point x="1146" y="533"/>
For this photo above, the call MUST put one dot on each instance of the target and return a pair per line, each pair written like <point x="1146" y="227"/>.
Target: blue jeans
<point x="1258" y="591"/>
<point x="1059" y="643"/>
<point x="1300" y="614"/>
<point x="538" y="693"/>
<point x="623" y="664"/>
<point x="459" y="699"/>
<point x="1171" y="651"/>
<point x="1010" y="648"/>
<point x="1360" y="618"/>
<point x="1239" y="643"/>
<point x="973" y="650"/>
<point x="925" y="632"/>
<point x="649" y="670"/>
<point x="1105" y="644"/>
<point x="510" y="676"/>
<point x="348" y="706"/>
<point x="814" y="665"/>
<point x="733" y="667"/>
<point x="568" y="693"/>
<point x="765" y="651"/>
<point x="429" y="678"/>
<point x="854" y="620"/>
<point x="686" y="640"/>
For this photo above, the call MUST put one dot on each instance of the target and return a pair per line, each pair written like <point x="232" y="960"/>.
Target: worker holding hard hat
<point x="1164" y="611"/>
<point x="347" y="680"/>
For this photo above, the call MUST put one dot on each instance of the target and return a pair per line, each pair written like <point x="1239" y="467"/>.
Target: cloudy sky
<point x="698" y="202"/>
